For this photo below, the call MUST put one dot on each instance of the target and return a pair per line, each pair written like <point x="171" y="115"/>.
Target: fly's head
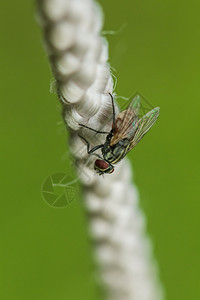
<point x="102" y="167"/>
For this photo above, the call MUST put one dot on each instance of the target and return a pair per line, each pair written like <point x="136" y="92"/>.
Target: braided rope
<point x="78" y="56"/>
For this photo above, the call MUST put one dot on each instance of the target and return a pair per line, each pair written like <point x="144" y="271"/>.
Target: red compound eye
<point x="101" y="166"/>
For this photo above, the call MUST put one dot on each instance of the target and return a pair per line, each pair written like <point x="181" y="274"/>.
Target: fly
<point x="126" y="132"/>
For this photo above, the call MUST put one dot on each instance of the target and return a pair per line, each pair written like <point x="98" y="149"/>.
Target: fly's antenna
<point x="78" y="56"/>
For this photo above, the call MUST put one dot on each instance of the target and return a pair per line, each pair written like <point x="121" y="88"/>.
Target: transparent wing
<point x="132" y="112"/>
<point x="143" y="126"/>
<point x="126" y="121"/>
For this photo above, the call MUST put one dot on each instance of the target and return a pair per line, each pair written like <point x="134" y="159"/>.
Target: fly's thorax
<point x="115" y="153"/>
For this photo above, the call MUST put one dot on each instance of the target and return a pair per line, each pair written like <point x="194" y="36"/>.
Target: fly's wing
<point x="143" y="126"/>
<point x="126" y="121"/>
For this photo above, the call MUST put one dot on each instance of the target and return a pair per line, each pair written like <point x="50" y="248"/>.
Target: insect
<point x="126" y="132"/>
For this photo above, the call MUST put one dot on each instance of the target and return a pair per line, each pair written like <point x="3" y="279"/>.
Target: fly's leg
<point x="97" y="156"/>
<point x="97" y="131"/>
<point x="114" y="123"/>
<point x="90" y="151"/>
<point x="113" y="108"/>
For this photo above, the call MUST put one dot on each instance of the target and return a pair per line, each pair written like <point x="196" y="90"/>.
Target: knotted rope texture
<point x="78" y="56"/>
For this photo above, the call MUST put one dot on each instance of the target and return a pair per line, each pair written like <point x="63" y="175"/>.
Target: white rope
<point x="78" y="56"/>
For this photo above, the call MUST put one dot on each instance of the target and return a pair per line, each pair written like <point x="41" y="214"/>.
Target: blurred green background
<point x="45" y="252"/>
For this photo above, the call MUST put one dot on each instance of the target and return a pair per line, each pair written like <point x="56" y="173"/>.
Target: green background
<point x="45" y="252"/>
